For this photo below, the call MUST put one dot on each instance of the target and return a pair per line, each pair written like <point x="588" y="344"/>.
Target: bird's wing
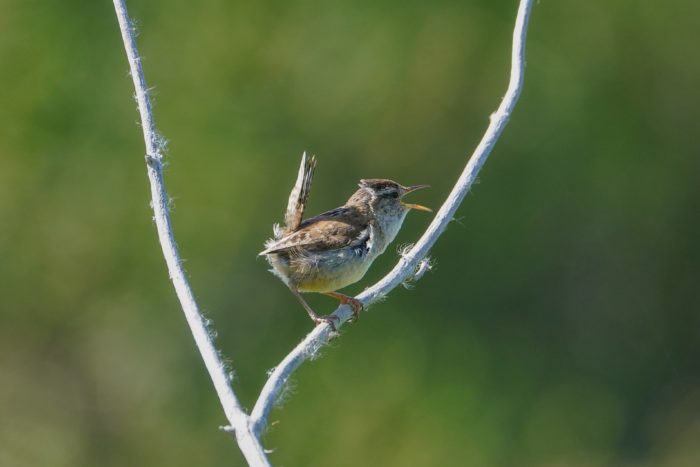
<point x="300" y="194"/>
<point x="332" y="230"/>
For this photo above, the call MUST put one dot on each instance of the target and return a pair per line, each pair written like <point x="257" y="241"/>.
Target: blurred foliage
<point x="560" y="327"/>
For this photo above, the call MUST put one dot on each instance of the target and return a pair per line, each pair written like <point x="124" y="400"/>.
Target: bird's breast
<point x="387" y="227"/>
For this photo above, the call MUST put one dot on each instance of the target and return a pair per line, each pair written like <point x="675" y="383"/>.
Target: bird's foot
<point x="353" y="303"/>
<point x="327" y="319"/>
<point x="356" y="306"/>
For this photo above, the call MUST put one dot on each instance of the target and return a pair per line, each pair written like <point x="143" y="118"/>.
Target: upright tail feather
<point x="300" y="194"/>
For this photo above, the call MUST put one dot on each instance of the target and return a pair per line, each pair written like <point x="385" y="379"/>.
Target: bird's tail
<point x="300" y="194"/>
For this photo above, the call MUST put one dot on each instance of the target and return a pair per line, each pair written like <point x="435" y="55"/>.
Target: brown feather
<point x="299" y="195"/>
<point x="331" y="230"/>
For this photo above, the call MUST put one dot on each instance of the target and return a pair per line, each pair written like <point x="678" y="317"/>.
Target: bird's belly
<point x="334" y="279"/>
<point x="324" y="272"/>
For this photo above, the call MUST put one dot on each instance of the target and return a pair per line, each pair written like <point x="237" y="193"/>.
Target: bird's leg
<point x="354" y="303"/>
<point x="317" y="319"/>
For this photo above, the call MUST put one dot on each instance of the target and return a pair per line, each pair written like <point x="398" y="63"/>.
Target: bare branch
<point x="409" y="261"/>
<point x="239" y="421"/>
<point x="248" y="428"/>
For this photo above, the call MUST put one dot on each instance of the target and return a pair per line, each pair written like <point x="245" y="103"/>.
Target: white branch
<point x="248" y="428"/>
<point x="408" y="262"/>
<point x="239" y="421"/>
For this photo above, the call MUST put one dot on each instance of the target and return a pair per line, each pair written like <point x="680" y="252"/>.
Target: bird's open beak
<point x="418" y="207"/>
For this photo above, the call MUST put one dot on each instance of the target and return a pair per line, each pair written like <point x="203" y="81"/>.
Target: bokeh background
<point x="560" y="327"/>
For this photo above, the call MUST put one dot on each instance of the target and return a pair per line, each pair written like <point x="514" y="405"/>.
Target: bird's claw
<point x="356" y="306"/>
<point x="328" y="319"/>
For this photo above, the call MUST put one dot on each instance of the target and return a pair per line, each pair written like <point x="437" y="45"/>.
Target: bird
<point x="336" y="248"/>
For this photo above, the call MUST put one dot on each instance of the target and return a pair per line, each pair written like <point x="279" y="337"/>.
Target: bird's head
<point x="388" y="194"/>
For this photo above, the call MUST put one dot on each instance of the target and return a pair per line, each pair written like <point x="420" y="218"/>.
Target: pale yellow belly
<point x="334" y="279"/>
<point x="324" y="273"/>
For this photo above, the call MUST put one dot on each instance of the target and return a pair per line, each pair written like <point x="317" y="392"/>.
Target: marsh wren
<point x="334" y="249"/>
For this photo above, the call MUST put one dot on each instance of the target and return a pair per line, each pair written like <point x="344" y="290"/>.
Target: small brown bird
<point x="334" y="249"/>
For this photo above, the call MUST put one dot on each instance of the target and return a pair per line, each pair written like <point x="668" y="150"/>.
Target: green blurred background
<point x="560" y="327"/>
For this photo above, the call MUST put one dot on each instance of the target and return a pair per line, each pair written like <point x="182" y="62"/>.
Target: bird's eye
<point x="391" y="194"/>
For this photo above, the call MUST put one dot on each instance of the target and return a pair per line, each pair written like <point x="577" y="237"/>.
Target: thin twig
<point x="408" y="262"/>
<point x="248" y="442"/>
